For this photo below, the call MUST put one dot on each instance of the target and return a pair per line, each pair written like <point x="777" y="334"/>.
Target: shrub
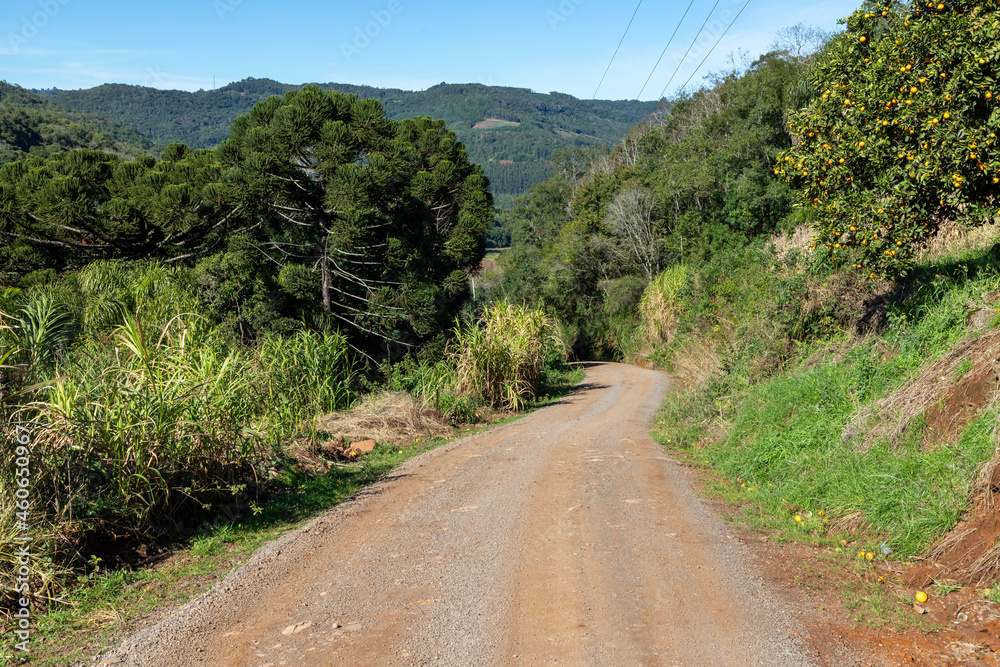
<point x="502" y="357"/>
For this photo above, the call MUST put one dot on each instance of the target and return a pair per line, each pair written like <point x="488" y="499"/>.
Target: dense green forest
<point x="536" y="126"/>
<point x="30" y="125"/>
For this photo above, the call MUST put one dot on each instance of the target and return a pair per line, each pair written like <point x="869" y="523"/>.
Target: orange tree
<point x="903" y="134"/>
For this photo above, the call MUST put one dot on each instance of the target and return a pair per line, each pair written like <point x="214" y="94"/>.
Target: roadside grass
<point x="876" y="605"/>
<point x="794" y="454"/>
<point x="107" y="605"/>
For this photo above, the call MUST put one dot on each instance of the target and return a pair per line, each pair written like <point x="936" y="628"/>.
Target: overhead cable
<point x="669" y="42"/>
<point x="711" y="49"/>
<point x="617" y="48"/>
<point x="693" y="42"/>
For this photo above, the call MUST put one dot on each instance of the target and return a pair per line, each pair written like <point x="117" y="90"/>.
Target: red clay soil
<point x="952" y="630"/>
<point x="962" y="402"/>
<point x="969" y="553"/>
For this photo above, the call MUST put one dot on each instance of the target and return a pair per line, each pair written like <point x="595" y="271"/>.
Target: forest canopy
<point x="318" y="209"/>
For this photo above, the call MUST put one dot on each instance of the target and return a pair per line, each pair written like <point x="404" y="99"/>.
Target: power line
<point x="693" y="42"/>
<point x="713" y="47"/>
<point x="618" y="47"/>
<point x="669" y="42"/>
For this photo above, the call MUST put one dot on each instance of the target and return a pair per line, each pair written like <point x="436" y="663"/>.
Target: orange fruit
<point x="920" y="597"/>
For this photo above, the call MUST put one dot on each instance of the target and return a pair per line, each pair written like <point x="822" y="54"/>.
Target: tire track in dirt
<point x="567" y="537"/>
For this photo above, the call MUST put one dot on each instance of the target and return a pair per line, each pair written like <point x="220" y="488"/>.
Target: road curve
<point x="567" y="537"/>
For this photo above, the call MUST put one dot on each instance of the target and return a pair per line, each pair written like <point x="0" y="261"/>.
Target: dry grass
<point x="891" y="416"/>
<point x="854" y="523"/>
<point x="103" y="619"/>
<point x="950" y="542"/>
<point x="659" y="306"/>
<point x="984" y="568"/>
<point x="392" y="416"/>
<point x="952" y="240"/>
<point x="988" y="479"/>
<point x="800" y="240"/>
<point x="697" y="361"/>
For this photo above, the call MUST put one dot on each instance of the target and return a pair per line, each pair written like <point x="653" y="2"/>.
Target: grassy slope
<point x="779" y="438"/>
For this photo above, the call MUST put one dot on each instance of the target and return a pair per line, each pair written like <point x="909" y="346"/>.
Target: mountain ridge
<point x="31" y="125"/>
<point x="547" y="122"/>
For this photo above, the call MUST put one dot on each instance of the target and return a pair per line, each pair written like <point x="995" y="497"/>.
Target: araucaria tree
<point x="376" y="221"/>
<point x="903" y="135"/>
<point x="70" y="209"/>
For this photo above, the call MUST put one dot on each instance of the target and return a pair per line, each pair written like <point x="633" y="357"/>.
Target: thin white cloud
<point x="6" y="50"/>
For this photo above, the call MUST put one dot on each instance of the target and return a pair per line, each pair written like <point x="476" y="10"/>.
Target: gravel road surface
<point x="567" y="537"/>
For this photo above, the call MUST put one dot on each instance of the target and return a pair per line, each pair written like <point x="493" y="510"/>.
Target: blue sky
<point x="545" y="45"/>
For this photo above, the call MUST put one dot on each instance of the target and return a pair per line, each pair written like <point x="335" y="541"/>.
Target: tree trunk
<point x="324" y="267"/>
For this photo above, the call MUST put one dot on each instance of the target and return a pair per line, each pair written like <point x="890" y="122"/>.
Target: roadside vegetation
<point x="215" y="345"/>
<point x="159" y="432"/>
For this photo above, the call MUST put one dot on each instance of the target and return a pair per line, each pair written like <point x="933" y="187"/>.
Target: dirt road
<point x="567" y="537"/>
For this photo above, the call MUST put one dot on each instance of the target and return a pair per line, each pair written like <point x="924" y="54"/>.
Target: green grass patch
<point x="782" y="440"/>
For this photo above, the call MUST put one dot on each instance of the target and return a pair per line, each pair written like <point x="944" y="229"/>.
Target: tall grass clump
<point x="501" y="358"/>
<point x="660" y="304"/>
<point x="306" y="374"/>
<point x="154" y="417"/>
<point x="160" y="413"/>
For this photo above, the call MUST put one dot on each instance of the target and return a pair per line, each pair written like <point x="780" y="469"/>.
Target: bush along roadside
<point x="162" y="451"/>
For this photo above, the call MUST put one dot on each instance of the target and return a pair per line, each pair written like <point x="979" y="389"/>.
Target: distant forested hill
<point x="30" y="125"/>
<point x="511" y="131"/>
